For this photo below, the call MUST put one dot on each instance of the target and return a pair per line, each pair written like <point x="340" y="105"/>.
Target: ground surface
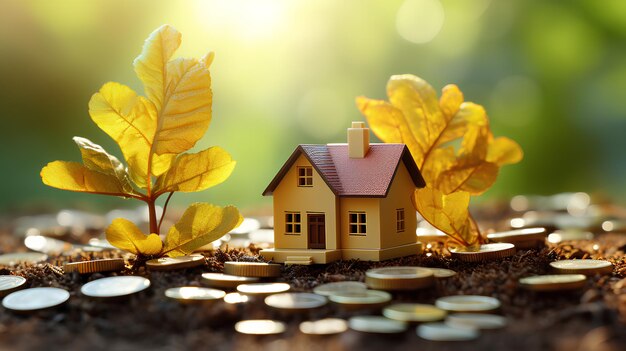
<point x="589" y="319"/>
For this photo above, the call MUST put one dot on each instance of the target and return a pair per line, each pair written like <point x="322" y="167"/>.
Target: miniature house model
<point x="345" y="201"/>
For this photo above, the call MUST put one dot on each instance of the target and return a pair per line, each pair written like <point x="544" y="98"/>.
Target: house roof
<point x="370" y="176"/>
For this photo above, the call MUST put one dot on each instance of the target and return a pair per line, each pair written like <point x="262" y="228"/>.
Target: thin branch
<point x="167" y="201"/>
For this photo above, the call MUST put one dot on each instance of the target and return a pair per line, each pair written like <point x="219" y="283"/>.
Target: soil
<point x="593" y="318"/>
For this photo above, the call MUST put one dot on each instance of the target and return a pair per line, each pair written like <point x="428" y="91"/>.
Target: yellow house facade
<point x="345" y="201"/>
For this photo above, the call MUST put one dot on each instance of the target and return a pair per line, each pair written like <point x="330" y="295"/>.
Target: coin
<point x="102" y="243"/>
<point x="414" y="312"/>
<point x="468" y="303"/>
<point x="172" y="263"/>
<point x="263" y="288"/>
<point x="555" y="282"/>
<point x="361" y="299"/>
<point x="441" y="273"/>
<point x="188" y="294"/>
<point x="587" y="267"/>
<point x="115" y="286"/>
<point x="522" y="238"/>
<point x="12" y="259"/>
<point x="104" y="265"/>
<point x="444" y="332"/>
<point x="476" y="321"/>
<point x="10" y="283"/>
<point x="335" y="287"/>
<point x="377" y="324"/>
<point x="47" y="245"/>
<point x="260" y="327"/>
<point x="252" y="269"/>
<point x="225" y="281"/>
<point x="327" y="326"/>
<point x="35" y="299"/>
<point x="569" y="235"/>
<point x="295" y="301"/>
<point x="486" y="252"/>
<point x="399" y="278"/>
<point x="235" y="298"/>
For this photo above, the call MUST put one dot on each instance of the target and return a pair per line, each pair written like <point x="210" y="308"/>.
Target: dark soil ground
<point x="591" y="319"/>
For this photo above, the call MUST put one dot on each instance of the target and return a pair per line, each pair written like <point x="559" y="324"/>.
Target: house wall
<point x="399" y="196"/>
<point x="372" y="239"/>
<point x="288" y="196"/>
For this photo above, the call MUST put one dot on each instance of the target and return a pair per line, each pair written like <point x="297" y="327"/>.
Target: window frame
<point x="293" y="223"/>
<point x="304" y="176"/>
<point x="400" y="220"/>
<point x="357" y="225"/>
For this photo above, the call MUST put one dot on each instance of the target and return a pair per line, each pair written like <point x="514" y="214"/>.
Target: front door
<point x="317" y="231"/>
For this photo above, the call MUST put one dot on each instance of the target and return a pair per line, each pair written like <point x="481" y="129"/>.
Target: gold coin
<point x="522" y="238"/>
<point x="260" y="327"/>
<point x="252" y="269"/>
<point x="104" y="265"/>
<point x="115" y="286"/>
<point x="476" y="321"/>
<point x="486" y="252"/>
<point x="327" y="326"/>
<point x="188" y="294"/>
<point x="555" y="282"/>
<point x="225" y="281"/>
<point x="587" y="267"/>
<point x="399" y="278"/>
<point x="361" y="299"/>
<point x="441" y="273"/>
<point x="444" y="332"/>
<point x="468" y="303"/>
<point x="295" y="301"/>
<point x="335" y="287"/>
<point x="263" y="288"/>
<point x="414" y="312"/>
<point x="377" y="324"/>
<point x="35" y="299"/>
<point x="172" y="263"/>
<point x="10" y="283"/>
<point x="12" y="259"/>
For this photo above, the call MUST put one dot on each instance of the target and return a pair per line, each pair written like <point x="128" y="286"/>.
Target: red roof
<point x="370" y="176"/>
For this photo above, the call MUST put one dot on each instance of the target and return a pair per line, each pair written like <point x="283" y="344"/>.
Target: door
<point x="317" y="231"/>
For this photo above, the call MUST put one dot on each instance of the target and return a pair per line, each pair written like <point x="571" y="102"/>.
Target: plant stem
<point x="152" y="212"/>
<point x="167" y="201"/>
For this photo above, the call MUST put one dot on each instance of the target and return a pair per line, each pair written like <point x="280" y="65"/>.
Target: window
<point x="399" y="220"/>
<point x="305" y="176"/>
<point x="293" y="223"/>
<point x="358" y="223"/>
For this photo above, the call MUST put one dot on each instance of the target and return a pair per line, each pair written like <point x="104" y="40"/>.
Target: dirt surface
<point x="588" y="319"/>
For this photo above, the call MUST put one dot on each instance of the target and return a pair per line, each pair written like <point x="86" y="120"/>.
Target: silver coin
<point x="377" y="324"/>
<point x="468" y="303"/>
<point x="338" y="287"/>
<point x="260" y="327"/>
<point x="35" y="299"/>
<point x="327" y="326"/>
<point x="115" y="286"/>
<point x="444" y="332"/>
<point x="476" y="321"/>
<point x="12" y="259"/>
<point x="295" y="301"/>
<point x="10" y="283"/>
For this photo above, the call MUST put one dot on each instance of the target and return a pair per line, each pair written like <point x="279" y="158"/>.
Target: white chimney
<point x="358" y="140"/>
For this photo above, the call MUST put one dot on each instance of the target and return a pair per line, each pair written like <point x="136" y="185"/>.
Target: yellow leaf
<point x="448" y="213"/>
<point x="73" y="176"/>
<point x="125" y="235"/>
<point x="97" y="159"/>
<point x="196" y="172"/>
<point x="200" y="224"/>
<point x="504" y="151"/>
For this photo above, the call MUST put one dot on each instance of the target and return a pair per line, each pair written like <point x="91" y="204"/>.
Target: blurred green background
<point x="551" y="74"/>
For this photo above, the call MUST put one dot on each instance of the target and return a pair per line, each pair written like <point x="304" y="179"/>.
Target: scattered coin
<point x="49" y="246"/>
<point x="188" y="294"/>
<point x="569" y="235"/>
<point x="476" y="321"/>
<point x="336" y="287"/>
<point x="225" y="281"/>
<point x="399" y="278"/>
<point x="252" y="269"/>
<point x="35" y="299"/>
<point x="377" y="324"/>
<point x="555" y="282"/>
<point x="444" y="332"/>
<point x="260" y="327"/>
<point x="172" y="263"/>
<point x="522" y="238"/>
<point x="361" y="299"/>
<point x="486" y="252"/>
<point x="10" y="283"/>
<point x="327" y="326"/>
<point x="587" y="267"/>
<point x="295" y="301"/>
<point x="12" y="259"/>
<point x="468" y="303"/>
<point x="102" y="243"/>
<point x="263" y="288"/>
<point x="441" y="273"/>
<point x="115" y="286"/>
<point x="414" y="312"/>
<point x="104" y="265"/>
<point x="235" y="298"/>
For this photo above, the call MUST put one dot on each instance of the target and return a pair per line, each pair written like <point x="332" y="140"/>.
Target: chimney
<point x="358" y="140"/>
